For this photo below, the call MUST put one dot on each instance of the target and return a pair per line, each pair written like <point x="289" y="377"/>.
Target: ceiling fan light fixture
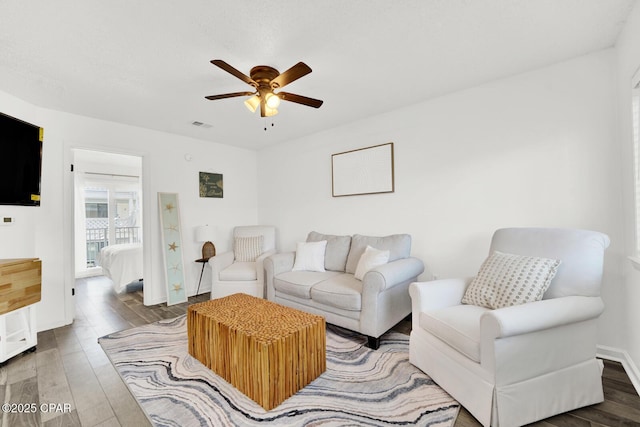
<point x="270" y="112"/>
<point x="264" y="80"/>
<point x="252" y="103"/>
<point x="272" y="100"/>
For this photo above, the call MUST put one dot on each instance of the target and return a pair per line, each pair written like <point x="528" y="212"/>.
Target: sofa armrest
<point x="260" y="271"/>
<point x="265" y="255"/>
<point x="557" y="333"/>
<point x="392" y="274"/>
<point x="279" y="263"/>
<point x="274" y="265"/>
<point x="219" y="262"/>
<point x="539" y="315"/>
<point x="436" y="294"/>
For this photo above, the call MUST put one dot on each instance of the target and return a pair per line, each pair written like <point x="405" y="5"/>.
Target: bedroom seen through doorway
<point x="108" y="218"/>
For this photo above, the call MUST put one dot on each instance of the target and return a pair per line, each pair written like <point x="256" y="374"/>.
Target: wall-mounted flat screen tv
<point x="20" y="162"/>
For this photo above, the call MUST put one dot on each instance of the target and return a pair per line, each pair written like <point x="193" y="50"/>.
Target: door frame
<point x="69" y="220"/>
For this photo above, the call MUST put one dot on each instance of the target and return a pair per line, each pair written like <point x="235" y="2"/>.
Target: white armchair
<point x="518" y="364"/>
<point x="242" y="270"/>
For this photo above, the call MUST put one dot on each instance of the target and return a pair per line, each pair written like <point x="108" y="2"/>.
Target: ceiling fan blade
<point x="299" y="99"/>
<point x="228" y="95"/>
<point x="291" y="75"/>
<point x="229" y="69"/>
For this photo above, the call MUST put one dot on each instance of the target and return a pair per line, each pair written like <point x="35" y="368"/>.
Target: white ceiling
<point x="146" y="62"/>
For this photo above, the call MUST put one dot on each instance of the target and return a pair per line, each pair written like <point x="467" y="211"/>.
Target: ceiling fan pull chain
<point x="265" y="124"/>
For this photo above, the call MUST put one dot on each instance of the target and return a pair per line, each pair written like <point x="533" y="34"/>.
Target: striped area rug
<point x="361" y="387"/>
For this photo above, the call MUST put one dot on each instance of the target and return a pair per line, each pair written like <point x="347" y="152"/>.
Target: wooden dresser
<point x="20" y="286"/>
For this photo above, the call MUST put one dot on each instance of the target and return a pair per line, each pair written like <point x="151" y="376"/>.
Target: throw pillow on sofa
<point x="335" y="256"/>
<point x="310" y="256"/>
<point x="371" y="258"/>
<point x="398" y="245"/>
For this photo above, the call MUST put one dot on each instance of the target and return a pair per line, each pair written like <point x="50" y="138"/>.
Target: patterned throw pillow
<point x="247" y="249"/>
<point x="507" y="279"/>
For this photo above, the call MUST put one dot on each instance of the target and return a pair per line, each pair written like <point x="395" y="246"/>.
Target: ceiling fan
<point x="265" y="80"/>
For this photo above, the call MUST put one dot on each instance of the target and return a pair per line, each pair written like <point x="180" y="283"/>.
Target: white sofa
<point x="370" y="306"/>
<point x="516" y="364"/>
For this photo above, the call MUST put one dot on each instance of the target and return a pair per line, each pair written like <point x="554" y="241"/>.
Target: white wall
<point x="628" y="56"/>
<point x="537" y="149"/>
<point x="38" y="231"/>
<point x="46" y="231"/>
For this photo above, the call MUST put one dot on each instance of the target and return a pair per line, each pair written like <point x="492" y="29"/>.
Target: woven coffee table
<point x="266" y="350"/>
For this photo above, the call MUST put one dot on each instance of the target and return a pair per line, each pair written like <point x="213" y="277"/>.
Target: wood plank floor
<point x="70" y="371"/>
<point x="69" y="367"/>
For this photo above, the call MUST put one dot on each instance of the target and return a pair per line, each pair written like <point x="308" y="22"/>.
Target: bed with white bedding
<point x="121" y="263"/>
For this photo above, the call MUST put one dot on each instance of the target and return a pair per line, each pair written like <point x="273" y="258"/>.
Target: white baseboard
<point x="48" y="326"/>
<point x="158" y="300"/>
<point x="618" y="355"/>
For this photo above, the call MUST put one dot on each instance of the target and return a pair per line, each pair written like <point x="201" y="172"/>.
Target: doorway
<point x="108" y="217"/>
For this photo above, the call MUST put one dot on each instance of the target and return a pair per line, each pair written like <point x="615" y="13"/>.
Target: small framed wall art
<point x="366" y="170"/>
<point x="211" y="185"/>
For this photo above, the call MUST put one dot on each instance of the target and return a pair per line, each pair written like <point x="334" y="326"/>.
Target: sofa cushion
<point x="458" y="326"/>
<point x="398" y="245"/>
<point x="371" y="258"/>
<point x="239" y="271"/>
<point x="342" y="291"/>
<point x="299" y="283"/>
<point x="310" y="256"/>
<point x="335" y="257"/>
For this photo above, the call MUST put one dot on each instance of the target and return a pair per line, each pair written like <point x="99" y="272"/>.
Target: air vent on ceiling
<point x="201" y="124"/>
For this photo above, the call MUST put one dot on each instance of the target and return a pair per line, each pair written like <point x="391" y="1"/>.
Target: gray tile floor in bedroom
<point x="69" y="367"/>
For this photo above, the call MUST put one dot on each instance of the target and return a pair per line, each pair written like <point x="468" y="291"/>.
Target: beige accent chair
<point x="242" y="270"/>
<point x="515" y="365"/>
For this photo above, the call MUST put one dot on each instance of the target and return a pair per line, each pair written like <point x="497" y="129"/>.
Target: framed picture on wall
<point x="211" y="185"/>
<point x="366" y="170"/>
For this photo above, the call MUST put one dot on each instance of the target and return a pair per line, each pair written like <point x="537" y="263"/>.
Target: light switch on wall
<point x="7" y="220"/>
